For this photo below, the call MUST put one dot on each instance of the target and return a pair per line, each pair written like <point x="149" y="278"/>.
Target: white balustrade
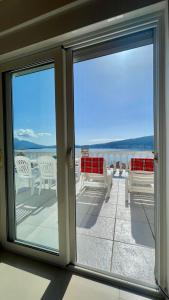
<point x="112" y="157"/>
<point x="121" y="157"/>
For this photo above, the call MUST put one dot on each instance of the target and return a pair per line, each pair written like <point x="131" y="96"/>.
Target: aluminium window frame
<point x="117" y="45"/>
<point x="156" y="22"/>
<point x="56" y="57"/>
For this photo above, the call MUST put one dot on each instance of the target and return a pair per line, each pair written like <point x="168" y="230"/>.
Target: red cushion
<point x="92" y="165"/>
<point x="142" y="164"/>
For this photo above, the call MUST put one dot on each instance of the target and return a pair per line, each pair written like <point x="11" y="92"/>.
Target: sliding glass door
<point x="35" y="157"/>
<point x="36" y="162"/>
<point x="114" y="160"/>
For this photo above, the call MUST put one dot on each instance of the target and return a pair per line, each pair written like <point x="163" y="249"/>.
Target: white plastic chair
<point x="47" y="168"/>
<point x="24" y="171"/>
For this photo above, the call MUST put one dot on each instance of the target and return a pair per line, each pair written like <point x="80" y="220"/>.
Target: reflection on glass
<point x="35" y="157"/>
<point x="113" y="97"/>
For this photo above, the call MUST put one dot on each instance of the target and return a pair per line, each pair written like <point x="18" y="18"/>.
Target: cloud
<point x="29" y="133"/>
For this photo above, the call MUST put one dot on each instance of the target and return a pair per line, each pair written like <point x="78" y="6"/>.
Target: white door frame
<point x="57" y="57"/>
<point x="156" y="22"/>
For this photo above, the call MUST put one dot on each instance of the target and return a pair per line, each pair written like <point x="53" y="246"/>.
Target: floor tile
<point x="130" y="296"/>
<point x="133" y="262"/>
<point x="132" y="213"/>
<point x="134" y="233"/>
<point x="97" y="226"/>
<point x="94" y="252"/>
<point x="81" y="288"/>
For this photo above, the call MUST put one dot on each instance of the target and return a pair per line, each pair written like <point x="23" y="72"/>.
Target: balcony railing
<point x="118" y="159"/>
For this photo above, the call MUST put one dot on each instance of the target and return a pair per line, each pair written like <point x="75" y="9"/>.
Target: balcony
<point x="112" y="235"/>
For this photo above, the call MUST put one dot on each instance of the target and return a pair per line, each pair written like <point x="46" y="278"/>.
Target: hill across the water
<point x="141" y="143"/>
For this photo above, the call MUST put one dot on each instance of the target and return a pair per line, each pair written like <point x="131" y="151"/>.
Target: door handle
<point x="156" y="156"/>
<point x="70" y="157"/>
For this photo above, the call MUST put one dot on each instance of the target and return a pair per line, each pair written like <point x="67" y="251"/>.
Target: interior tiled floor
<point x="23" y="278"/>
<point x="111" y="236"/>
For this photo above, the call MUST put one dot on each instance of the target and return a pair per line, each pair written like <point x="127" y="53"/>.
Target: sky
<point x="114" y="96"/>
<point x="34" y="107"/>
<point x="113" y="100"/>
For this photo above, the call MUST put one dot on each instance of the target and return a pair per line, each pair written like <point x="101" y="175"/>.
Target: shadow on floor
<point x="49" y="282"/>
<point x="89" y="203"/>
<point x="141" y="221"/>
<point x="27" y="204"/>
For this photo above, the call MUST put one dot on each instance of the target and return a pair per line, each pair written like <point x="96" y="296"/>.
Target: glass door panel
<point x="35" y="211"/>
<point x="114" y="167"/>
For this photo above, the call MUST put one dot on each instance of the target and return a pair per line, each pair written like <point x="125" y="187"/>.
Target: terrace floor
<point x="110" y="236"/>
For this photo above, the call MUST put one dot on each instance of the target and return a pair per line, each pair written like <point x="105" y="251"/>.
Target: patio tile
<point x="94" y="252"/>
<point x="108" y="210"/>
<point x="24" y="229"/>
<point x="44" y="236"/>
<point x="115" y="188"/>
<point x="115" y="181"/>
<point x="121" y="195"/>
<point x="149" y="211"/>
<point x="43" y="215"/>
<point x="88" y="208"/>
<point x="121" y="189"/>
<point x="104" y="209"/>
<point x="131" y="213"/>
<point x="152" y="229"/>
<point x="133" y="262"/>
<point x="97" y="226"/>
<point x="121" y="201"/>
<point x="133" y="233"/>
<point x="51" y="220"/>
<point x="112" y="199"/>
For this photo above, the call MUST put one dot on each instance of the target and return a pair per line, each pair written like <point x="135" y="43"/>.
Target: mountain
<point x="23" y="145"/>
<point x="141" y="143"/>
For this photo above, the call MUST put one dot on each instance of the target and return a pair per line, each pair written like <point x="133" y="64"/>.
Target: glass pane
<point x="114" y="123"/>
<point x="35" y="157"/>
